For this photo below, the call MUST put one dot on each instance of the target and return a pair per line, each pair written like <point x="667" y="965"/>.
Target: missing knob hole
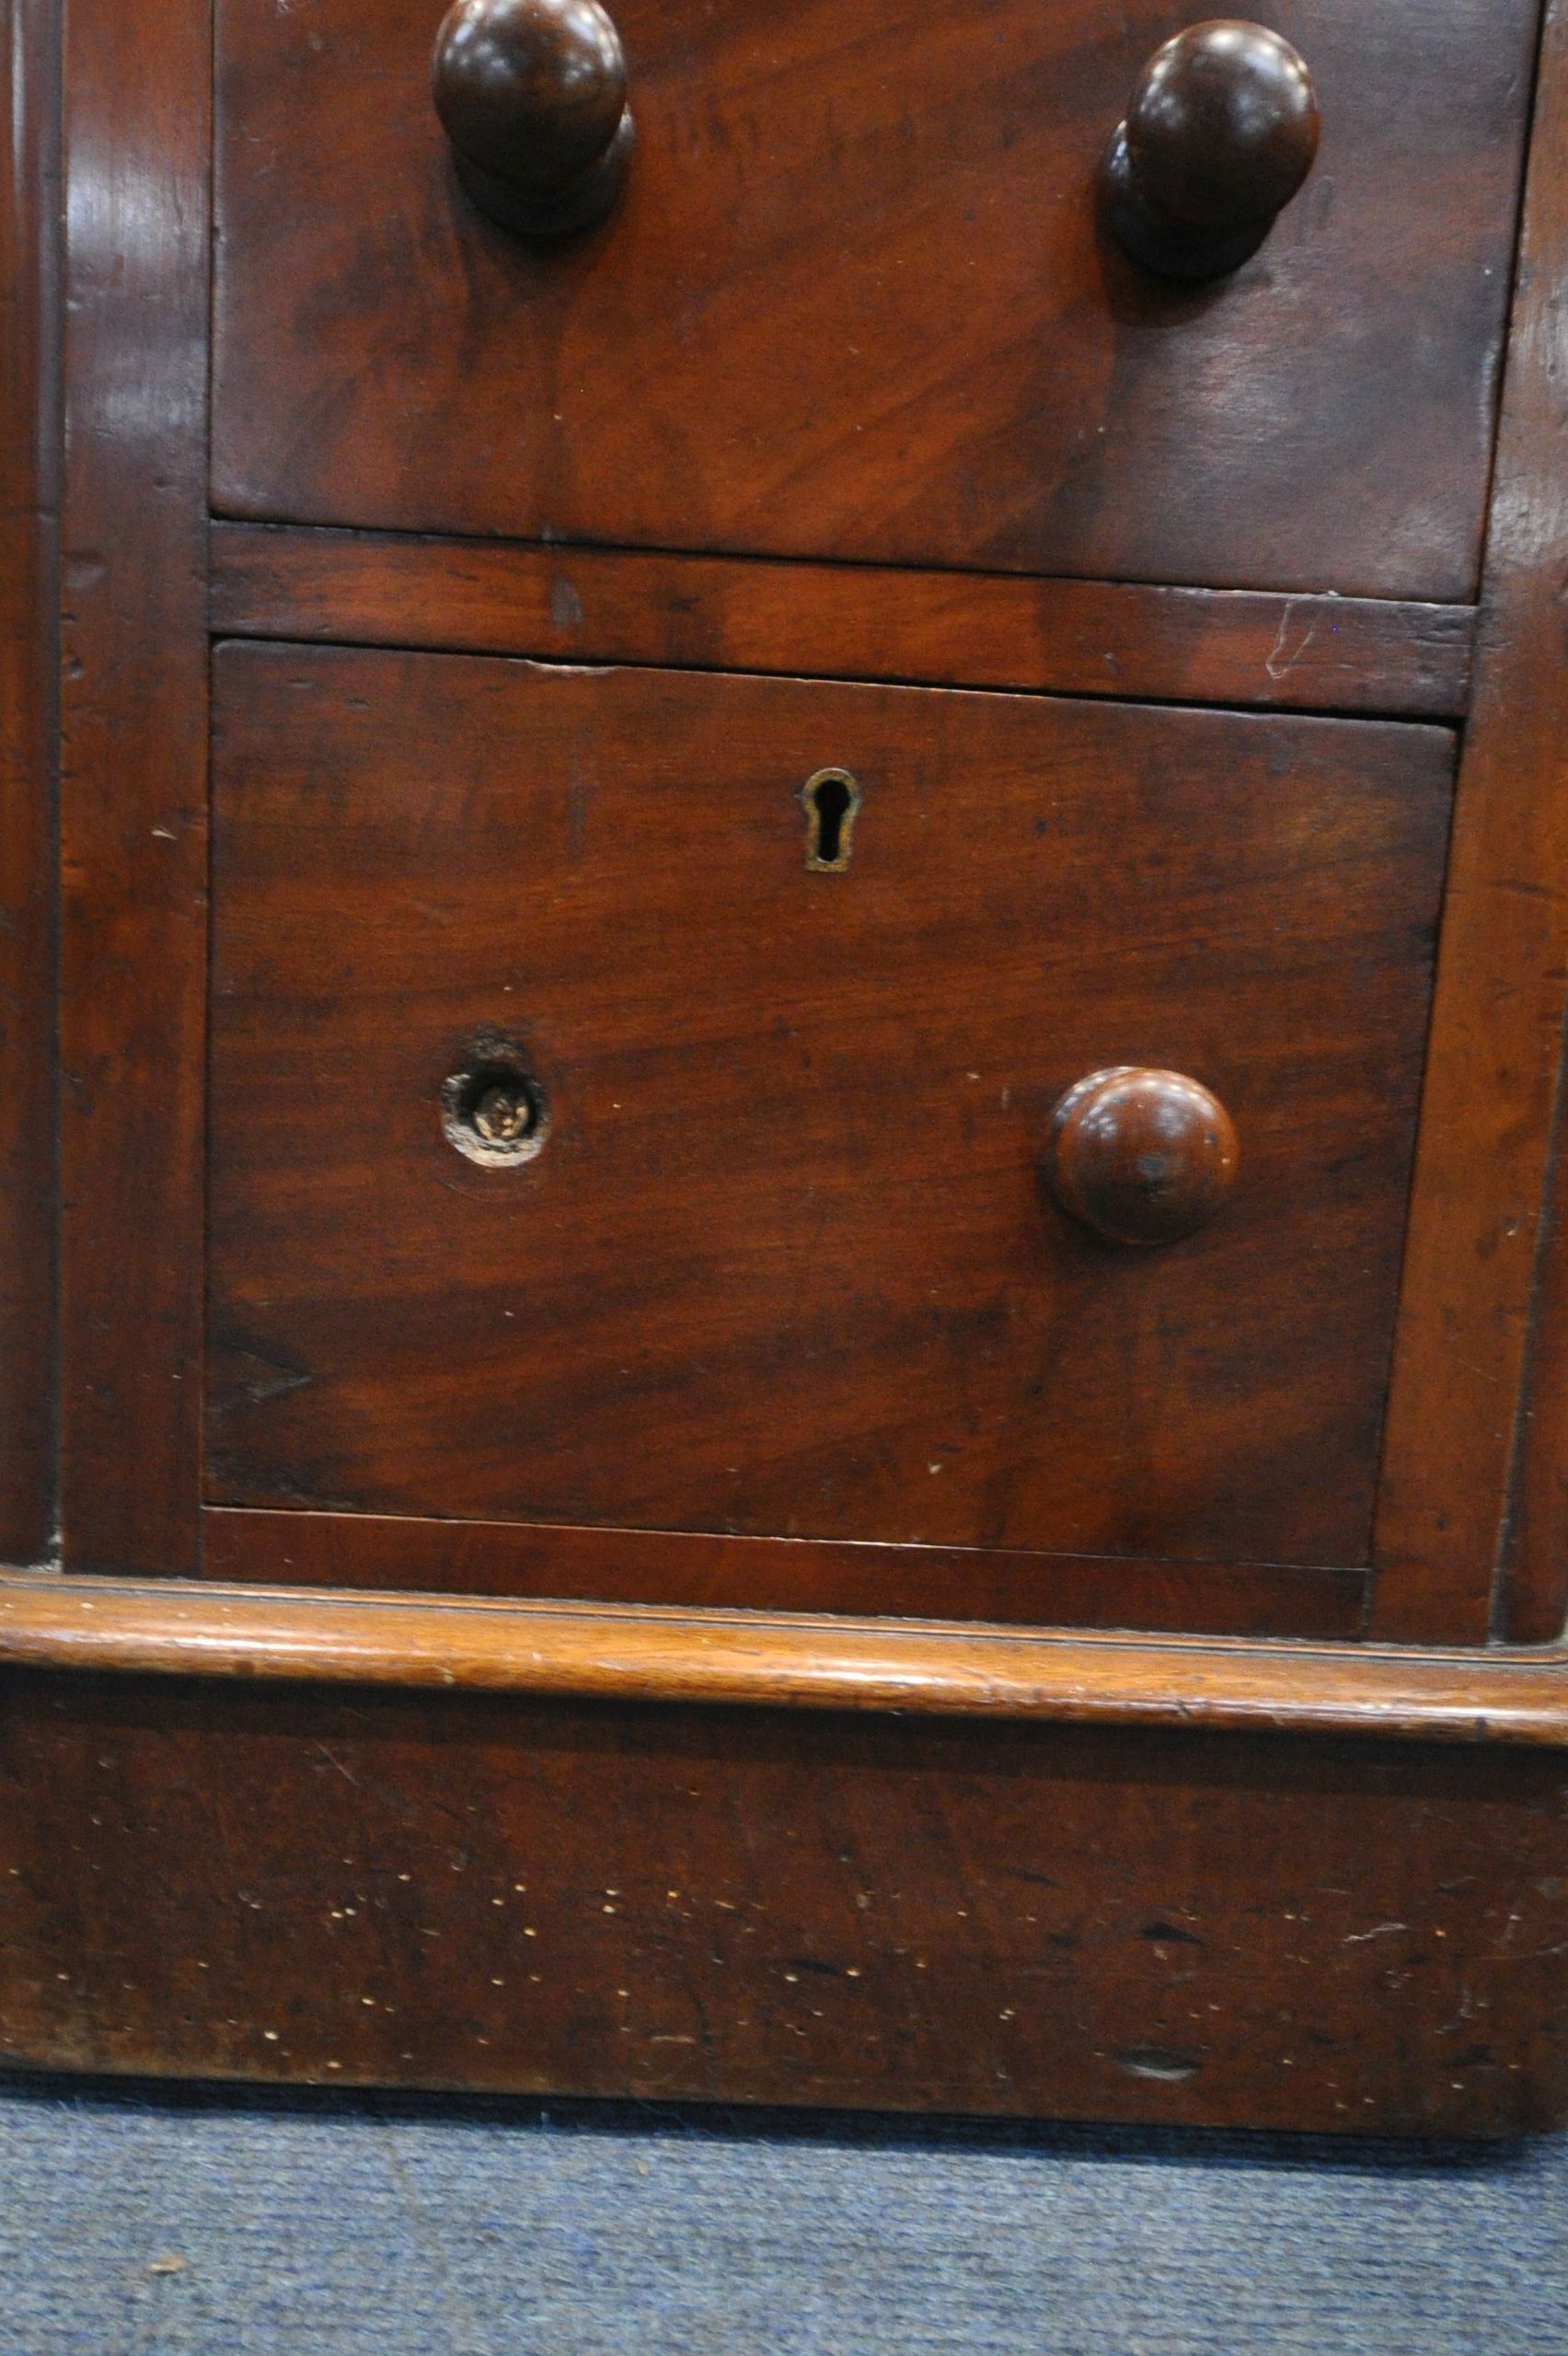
<point x="831" y="799"/>
<point x="494" y="1112"/>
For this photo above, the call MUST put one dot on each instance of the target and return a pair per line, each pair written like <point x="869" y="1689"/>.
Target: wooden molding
<point x="779" y="1660"/>
<point x="1126" y="639"/>
<point x="1497" y="1017"/>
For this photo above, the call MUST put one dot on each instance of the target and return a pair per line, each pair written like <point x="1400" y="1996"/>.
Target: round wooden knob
<point x="532" y="95"/>
<point x="1219" y="135"/>
<point x="1142" y="1157"/>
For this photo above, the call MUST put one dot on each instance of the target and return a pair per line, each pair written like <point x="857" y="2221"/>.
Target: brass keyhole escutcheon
<point x="830" y="799"/>
<point x="494" y="1111"/>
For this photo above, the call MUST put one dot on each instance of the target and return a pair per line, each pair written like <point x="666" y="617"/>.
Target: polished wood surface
<point x="783" y="1660"/>
<point x="133" y="799"/>
<point x="1142" y="1157"/>
<point x="787" y="1263"/>
<point x="30" y="663"/>
<point x="1498" y="1016"/>
<point x="1532" y="1604"/>
<point x="1087" y="637"/>
<point x="924" y="1848"/>
<point x="856" y="300"/>
<point x="993" y="1583"/>
<point x="494" y="1892"/>
<point x="532" y="95"/>
<point x="1219" y="134"/>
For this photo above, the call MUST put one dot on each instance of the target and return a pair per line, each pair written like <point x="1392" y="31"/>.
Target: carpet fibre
<point x="157" y="2222"/>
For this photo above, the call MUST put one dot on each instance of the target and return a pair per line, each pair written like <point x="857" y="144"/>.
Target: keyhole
<point x="831" y="799"/>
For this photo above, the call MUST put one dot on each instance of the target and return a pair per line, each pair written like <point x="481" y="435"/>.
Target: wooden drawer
<point x="854" y="301"/>
<point x="785" y="1264"/>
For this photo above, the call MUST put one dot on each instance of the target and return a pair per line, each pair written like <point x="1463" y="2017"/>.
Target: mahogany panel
<point x="779" y="1574"/>
<point x="133" y="782"/>
<point x="783" y="1264"/>
<point x="486" y="1892"/>
<point x="29" y="654"/>
<point x="1091" y="637"/>
<point x="1498" y="1015"/>
<point x="854" y="300"/>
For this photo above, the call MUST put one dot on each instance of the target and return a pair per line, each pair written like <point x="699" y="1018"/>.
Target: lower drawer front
<point x="761" y="1240"/>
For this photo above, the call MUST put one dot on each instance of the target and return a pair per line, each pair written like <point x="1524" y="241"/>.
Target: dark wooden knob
<point x="1142" y="1157"/>
<point x="1219" y="135"/>
<point x="532" y="95"/>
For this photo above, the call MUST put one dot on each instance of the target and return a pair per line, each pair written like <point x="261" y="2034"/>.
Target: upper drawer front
<point x="853" y="300"/>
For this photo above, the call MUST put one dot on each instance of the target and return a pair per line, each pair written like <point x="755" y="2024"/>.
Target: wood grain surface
<point x="1532" y="1602"/>
<point x="29" y="664"/>
<point x="785" y="1263"/>
<point x="488" y="1891"/>
<point x="854" y="301"/>
<point x="133" y="929"/>
<point x="743" y="1357"/>
<point x="1498" y="1015"/>
<point x="404" y="1552"/>
<point x="1088" y="638"/>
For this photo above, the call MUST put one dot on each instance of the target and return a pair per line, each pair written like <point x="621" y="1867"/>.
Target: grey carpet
<point x="153" y="2222"/>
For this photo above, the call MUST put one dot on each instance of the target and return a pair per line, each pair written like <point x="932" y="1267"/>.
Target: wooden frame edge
<point x="31" y="432"/>
<point x="193" y="1628"/>
<point x="1532" y="1602"/>
<point x="1014" y="633"/>
<point x="132" y="923"/>
<point x="1462" y="1353"/>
